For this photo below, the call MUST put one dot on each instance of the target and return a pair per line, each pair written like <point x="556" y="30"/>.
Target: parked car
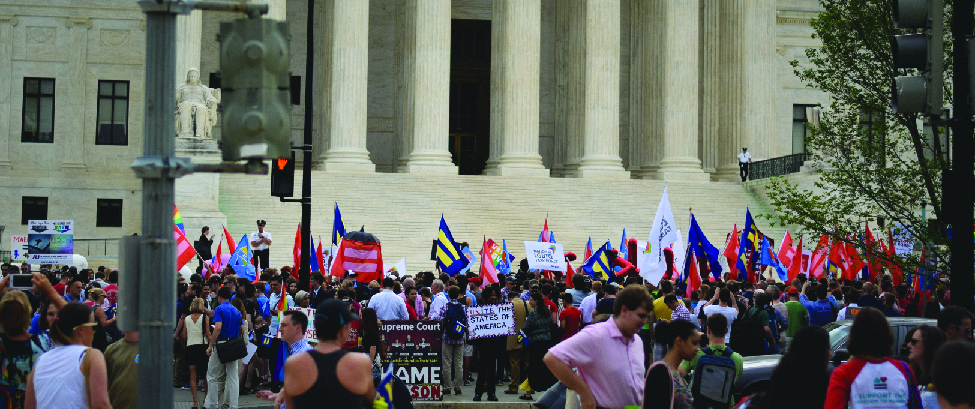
<point x="756" y="370"/>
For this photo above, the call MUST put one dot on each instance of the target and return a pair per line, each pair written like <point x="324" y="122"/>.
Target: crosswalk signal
<point x="924" y="93"/>
<point x="283" y="177"/>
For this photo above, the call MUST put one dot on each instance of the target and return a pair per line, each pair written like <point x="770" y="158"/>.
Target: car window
<point x="838" y="336"/>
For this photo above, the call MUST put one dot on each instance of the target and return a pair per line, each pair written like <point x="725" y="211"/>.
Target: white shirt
<point x="437" y="305"/>
<point x="254" y="238"/>
<point x="587" y="305"/>
<point x="389" y="306"/>
<point x="728" y="312"/>
<point x="744" y="157"/>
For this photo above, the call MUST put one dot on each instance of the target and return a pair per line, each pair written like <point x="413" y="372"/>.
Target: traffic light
<point x="283" y="176"/>
<point x="256" y="109"/>
<point x="923" y="93"/>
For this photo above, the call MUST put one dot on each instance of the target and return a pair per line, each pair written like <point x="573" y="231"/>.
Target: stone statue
<point x="196" y="107"/>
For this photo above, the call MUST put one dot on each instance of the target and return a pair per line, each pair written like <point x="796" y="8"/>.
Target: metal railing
<point x="782" y="165"/>
<point x="96" y="247"/>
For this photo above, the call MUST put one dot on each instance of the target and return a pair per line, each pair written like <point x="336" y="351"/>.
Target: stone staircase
<point x="403" y="210"/>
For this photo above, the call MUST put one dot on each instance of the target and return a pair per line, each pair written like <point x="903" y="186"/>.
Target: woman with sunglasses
<point x="57" y="383"/>
<point x="923" y="343"/>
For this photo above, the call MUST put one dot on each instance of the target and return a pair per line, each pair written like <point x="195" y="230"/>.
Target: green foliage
<point x="872" y="162"/>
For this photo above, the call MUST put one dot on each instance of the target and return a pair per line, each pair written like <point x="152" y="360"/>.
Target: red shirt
<point x="858" y="380"/>
<point x="60" y="288"/>
<point x="573" y="319"/>
<point x="552" y="308"/>
<point x="111" y="292"/>
<point x="412" y="311"/>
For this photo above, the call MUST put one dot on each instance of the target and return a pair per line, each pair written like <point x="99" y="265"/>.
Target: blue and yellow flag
<point x="749" y="240"/>
<point x="598" y="266"/>
<point x="385" y="390"/>
<point x="449" y="257"/>
<point x="240" y="261"/>
<point x="338" y="227"/>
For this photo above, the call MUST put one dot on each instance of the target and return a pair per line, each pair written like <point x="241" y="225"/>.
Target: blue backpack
<point x="714" y="379"/>
<point x="454" y="322"/>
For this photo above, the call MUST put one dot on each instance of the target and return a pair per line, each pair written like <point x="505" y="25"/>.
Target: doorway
<point x="470" y="94"/>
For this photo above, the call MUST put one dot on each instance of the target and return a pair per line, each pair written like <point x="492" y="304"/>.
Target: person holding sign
<point x="490" y="351"/>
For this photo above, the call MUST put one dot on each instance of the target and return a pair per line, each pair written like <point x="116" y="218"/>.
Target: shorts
<point x="468" y="350"/>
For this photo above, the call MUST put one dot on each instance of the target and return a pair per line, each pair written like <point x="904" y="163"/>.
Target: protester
<point x="490" y="350"/>
<point x="890" y="306"/>
<point x="453" y="341"/>
<point x="196" y="332"/>
<point x="809" y="356"/>
<point x="222" y="378"/>
<point x="821" y="311"/>
<point x="122" y="367"/>
<point x="611" y="341"/>
<point x="578" y="283"/>
<point x="952" y="372"/>
<point x="665" y="386"/>
<point x="387" y="304"/>
<point x="726" y="306"/>
<point x="439" y="300"/>
<point x="797" y="315"/>
<point x="328" y="376"/>
<point x="680" y="311"/>
<point x="956" y="322"/>
<point x="570" y="319"/>
<point x="588" y="304"/>
<point x="538" y="328"/>
<point x="19" y="352"/>
<point x="853" y="382"/>
<point x="517" y="353"/>
<point x="372" y="340"/>
<point x="853" y="299"/>
<point x="924" y="343"/>
<point x="57" y="383"/>
<point x="605" y="305"/>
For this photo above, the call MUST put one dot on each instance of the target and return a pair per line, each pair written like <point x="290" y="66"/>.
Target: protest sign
<point x="545" y="256"/>
<point x="50" y="241"/>
<point x="903" y="244"/>
<point x="414" y="350"/>
<point x="491" y="320"/>
<point x="310" y="334"/>
<point x="18" y="248"/>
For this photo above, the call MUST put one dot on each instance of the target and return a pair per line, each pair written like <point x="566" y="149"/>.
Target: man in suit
<point x="317" y="293"/>
<point x="203" y="245"/>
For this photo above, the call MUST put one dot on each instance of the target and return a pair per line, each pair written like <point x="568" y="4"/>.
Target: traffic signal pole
<point x="963" y="161"/>
<point x="304" y="273"/>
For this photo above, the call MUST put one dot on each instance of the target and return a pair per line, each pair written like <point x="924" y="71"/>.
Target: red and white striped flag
<point x="184" y="249"/>
<point x="489" y="274"/>
<point x="365" y="259"/>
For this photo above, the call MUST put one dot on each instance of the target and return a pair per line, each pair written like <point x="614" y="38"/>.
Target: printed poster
<point x="50" y="241"/>
<point x="413" y="347"/>
<point x="18" y="249"/>
<point x="545" y="256"/>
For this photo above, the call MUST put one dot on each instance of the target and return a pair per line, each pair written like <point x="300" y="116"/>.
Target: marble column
<point x="71" y="112"/>
<point x="345" y="57"/>
<point x="561" y="89"/>
<point x="731" y="90"/>
<point x="593" y="89"/>
<point x="515" y="58"/>
<point x="759" y="67"/>
<point x="7" y="23"/>
<point x="710" y="75"/>
<point x="679" y="68"/>
<point x="188" y="45"/>
<point x="646" y="53"/>
<point x="422" y="122"/>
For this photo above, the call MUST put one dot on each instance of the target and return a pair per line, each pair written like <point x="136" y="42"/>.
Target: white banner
<point x="903" y="244"/>
<point x="18" y="248"/>
<point x="545" y="256"/>
<point x="399" y="268"/>
<point x="663" y="233"/>
<point x="491" y="320"/>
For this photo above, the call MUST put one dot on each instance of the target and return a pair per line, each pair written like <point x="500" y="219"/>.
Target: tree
<point x="872" y="162"/>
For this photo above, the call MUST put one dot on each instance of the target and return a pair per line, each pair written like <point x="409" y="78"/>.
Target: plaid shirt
<point x="680" y="313"/>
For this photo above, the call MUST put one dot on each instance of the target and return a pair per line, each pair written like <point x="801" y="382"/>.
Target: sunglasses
<point x="968" y="331"/>
<point x="914" y="341"/>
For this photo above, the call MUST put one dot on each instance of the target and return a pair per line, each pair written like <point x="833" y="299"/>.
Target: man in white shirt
<point x="260" y="242"/>
<point x="726" y="306"/>
<point x="439" y="300"/>
<point x="588" y="304"/>
<point x="387" y="304"/>
<point x="744" y="159"/>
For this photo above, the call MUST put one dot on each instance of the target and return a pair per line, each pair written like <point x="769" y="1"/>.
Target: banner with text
<point x="310" y="334"/>
<point x="18" y="248"/>
<point x="491" y="320"/>
<point x="50" y="241"/>
<point x="545" y="256"/>
<point x="413" y="347"/>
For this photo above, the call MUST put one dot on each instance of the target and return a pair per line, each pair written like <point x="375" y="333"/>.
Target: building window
<point x="38" y="123"/>
<point x="803" y="116"/>
<point x="113" y="113"/>
<point x="109" y="213"/>
<point x="32" y="208"/>
<point x="872" y="125"/>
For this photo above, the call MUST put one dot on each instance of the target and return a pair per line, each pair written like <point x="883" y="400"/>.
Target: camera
<point x="20" y="282"/>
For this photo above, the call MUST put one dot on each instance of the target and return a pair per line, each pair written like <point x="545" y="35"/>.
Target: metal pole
<point x="963" y="160"/>
<point x="157" y="284"/>
<point x="305" y="271"/>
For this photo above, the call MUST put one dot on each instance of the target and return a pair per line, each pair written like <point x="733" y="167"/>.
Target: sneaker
<point x="477" y="398"/>
<point x="187" y="386"/>
<point x="467" y="383"/>
<point x="446" y="391"/>
<point x="457" y="391"/>
<point x="492" y="397"/>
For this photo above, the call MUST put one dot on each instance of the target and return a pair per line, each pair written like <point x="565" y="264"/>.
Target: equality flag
<point x="449" y="257"/>
<point x="488" y="273"/>
<point x="819" y="256"/>
<point x="599" y="267"/>
<point x="318" y="256"/>
<point x="178" y="220"/>
<point x="364" y="258"/>
<point x="731" y="253"/>
<point x="837" y="256"/>
<point x="663" y="233"/>
<point x="749" y="242"/>
<point x="338" y="226"/>
<point x="701" y="247"/>
<point x="385" y="388"/>
<point x="795" y="267"/>
<point x="184" y="250"/>
<point x="588" y="252"/>
<point x="231" y="245"/>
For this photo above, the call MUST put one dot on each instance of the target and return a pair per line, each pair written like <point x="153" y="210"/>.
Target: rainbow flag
<point x="178" y="220"/>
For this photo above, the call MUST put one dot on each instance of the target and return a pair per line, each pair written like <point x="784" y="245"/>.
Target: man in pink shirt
<point x="598" y="351"/>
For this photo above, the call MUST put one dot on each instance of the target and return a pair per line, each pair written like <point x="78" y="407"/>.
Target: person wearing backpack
<point x="751" y="334"/>
<point x="716" y="368"/>
<point x="454" y="333"/>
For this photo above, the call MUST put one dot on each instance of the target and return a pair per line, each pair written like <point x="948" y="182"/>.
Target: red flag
<point x="694" y="281"/>
<point x="588" y="252"/>
<point x="890" y="251"/>
<point x="854" y="262"/>
<point x="296" y="250"/>
<point x="184" y="250"/>
<point x="365" y="259"/>
<point x="219" y="264"/>
<point x="786" y="251"/>
<point x="837" y="256"/>
<point x="546" y="236"/>
<point x="796" y="267"/>
<point x="321" y="260"/>
<point x="731" y="253"/>
<point x="489" y="274"/>
<point x="819" y="256"/>
<point x="872" y="247"/>
<point x="231" y="244"/>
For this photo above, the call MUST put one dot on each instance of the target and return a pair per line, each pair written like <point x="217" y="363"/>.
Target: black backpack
<point x="748" y="334"/>
<point x="454" y="322"/>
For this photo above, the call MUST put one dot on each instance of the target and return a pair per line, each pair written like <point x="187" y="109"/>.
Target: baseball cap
<point x="792" y="290"/>
<point x="333" y="310"/>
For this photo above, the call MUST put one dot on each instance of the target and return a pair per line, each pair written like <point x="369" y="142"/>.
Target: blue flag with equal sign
<point x="449" y="256"/>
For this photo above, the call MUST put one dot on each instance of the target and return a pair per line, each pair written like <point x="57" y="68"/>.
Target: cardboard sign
<point x="413" y="347"/>
<point x="545" y="256"/>
<point x="50" y="241"/>
<point x="18" y="248"/>
<point x="310" y="334"/>
<point x="491" y="320"/>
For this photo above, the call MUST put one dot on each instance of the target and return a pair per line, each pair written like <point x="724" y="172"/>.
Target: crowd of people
<point x="592" y="343"/>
